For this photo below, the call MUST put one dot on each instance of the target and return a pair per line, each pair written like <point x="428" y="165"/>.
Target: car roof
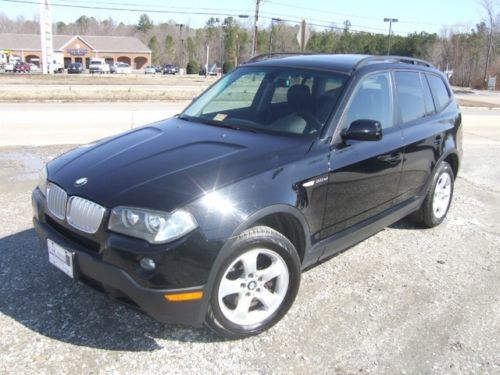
<point x="345" y="63"/>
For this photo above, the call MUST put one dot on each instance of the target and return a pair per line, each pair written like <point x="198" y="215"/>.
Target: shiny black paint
<point x="363" y="182"/>
<point x="363" y="130"/>
<point x="230" y="179"/>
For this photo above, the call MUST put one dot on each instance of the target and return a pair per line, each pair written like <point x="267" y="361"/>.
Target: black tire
<point x="259" y="237"/>
<point x="426" y="215"/>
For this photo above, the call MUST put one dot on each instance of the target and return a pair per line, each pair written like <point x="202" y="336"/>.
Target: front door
<point x="364" y="175"/>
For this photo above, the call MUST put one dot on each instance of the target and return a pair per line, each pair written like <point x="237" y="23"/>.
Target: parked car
<point x="34" y="68"/>
<point x="158" y="68"/>
<point x="213" y="70"/>
<point x="22" y="67"/>
<point x="98" y="66"/>
<point x="8" y="67"/>
<point x="76" y="68"/>
<point x="210" y="216"/>
<point x="112" y="68"/>
<point x="170" y="69"/>
<point x="150" y="70"/>
<point x="123" y="68"/>
<point x="11" y="63"/>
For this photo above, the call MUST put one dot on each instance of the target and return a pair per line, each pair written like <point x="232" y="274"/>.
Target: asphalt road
<point x="76" y="123"/>
<point x="406" y="300"/>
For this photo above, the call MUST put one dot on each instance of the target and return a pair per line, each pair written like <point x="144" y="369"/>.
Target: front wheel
<point x="438" y="199"/>
<point x="256" y="284"/>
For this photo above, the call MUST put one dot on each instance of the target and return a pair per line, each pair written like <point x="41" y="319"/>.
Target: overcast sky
<point x="417" y="15"/>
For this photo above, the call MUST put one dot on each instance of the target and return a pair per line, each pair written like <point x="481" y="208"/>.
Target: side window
<point x="410" y="96"/>
<point x="239" y="94"/>
<point x="429" y="103"/>
<point x="439" y="91"/>
<point x="372" y="100"/>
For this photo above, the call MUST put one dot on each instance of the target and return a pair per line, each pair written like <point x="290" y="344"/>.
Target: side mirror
<point x="363" y="130"/>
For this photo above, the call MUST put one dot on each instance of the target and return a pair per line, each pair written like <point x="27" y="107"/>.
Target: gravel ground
<point x="406" y="300"/>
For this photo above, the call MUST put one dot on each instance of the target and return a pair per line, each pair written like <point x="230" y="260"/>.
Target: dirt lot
<point x="407" y="300"/>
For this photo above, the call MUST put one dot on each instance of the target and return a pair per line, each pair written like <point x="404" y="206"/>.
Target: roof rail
<point x="391" y="60"/>
<point x="275" y="55"/>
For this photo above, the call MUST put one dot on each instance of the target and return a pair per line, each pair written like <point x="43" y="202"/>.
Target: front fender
<point x="226" y="249"/>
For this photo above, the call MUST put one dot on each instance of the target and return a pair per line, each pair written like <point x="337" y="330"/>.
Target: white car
<point x="123" y="68"/>
<point x="150" y="70"/>
<point x="34" y="67"/>
<point x="9" y="67"/>
<point x="98" y="66"/>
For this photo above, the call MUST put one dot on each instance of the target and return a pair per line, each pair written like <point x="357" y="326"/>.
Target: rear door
<point x="423" y="131"/>
<point x="364" y="176"/>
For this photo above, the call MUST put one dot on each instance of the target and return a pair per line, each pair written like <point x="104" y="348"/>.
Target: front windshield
<point x="276" y="99"/>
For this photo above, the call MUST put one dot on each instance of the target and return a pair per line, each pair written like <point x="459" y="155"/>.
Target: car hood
<point x="168" y="164"/>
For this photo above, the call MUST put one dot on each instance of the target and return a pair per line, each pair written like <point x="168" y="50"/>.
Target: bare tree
<point x="488" y="7"/>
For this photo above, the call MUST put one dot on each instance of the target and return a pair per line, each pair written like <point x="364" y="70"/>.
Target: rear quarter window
<point x="439" y="91"/>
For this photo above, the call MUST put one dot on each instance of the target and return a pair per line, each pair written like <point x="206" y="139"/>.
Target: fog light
<point x="148" y="264"/>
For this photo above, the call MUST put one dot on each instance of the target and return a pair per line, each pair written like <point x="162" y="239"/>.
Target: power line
<point x="323" y="11"/>
<point x="208" y="12"/>
<point x="189" y="12"/>
<point x="156" y="6"/>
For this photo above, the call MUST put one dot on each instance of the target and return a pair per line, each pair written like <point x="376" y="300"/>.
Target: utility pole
<point x="181" y="55"/>
<point x="390" y="20"/>
<point x="254" y="39"/>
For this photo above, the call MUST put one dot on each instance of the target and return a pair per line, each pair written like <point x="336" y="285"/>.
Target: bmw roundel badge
<point x="81" y="181"/>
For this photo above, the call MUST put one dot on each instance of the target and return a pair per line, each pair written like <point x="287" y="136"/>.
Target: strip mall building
<point x="79" y="48"/>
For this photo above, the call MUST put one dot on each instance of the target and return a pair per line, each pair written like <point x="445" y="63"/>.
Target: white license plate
<point x="60" y="257"/>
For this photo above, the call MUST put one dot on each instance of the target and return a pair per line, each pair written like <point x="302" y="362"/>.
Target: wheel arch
<point x="452" y="159"/>
<point x="261" y="217"/>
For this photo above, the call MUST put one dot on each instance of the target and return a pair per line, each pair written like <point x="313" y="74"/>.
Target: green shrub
<point x="192" y="67"/>
<point x="227" y="66"/>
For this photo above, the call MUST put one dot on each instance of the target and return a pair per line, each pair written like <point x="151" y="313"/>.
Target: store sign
<point x="46" y="35"/>
<point x="77" y="51"/>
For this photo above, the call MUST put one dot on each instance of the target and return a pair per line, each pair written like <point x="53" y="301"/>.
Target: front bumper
<point x="93" y="269"/>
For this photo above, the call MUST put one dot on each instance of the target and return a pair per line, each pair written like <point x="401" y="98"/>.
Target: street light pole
<point x="390" y="20"/>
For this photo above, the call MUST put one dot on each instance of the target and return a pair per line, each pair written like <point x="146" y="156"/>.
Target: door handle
<point x="390" y="158"/>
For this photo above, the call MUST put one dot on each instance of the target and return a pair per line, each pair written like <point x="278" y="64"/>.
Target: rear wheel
<point x="438" y="199"/>
<point x="256" y="285"/>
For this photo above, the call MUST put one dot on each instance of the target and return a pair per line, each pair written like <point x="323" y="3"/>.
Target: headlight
<point x="153" y="226"/>
<point x="42" y="180"/>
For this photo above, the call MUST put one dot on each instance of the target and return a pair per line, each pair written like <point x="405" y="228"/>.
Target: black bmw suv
<point x="210" y="216"/>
